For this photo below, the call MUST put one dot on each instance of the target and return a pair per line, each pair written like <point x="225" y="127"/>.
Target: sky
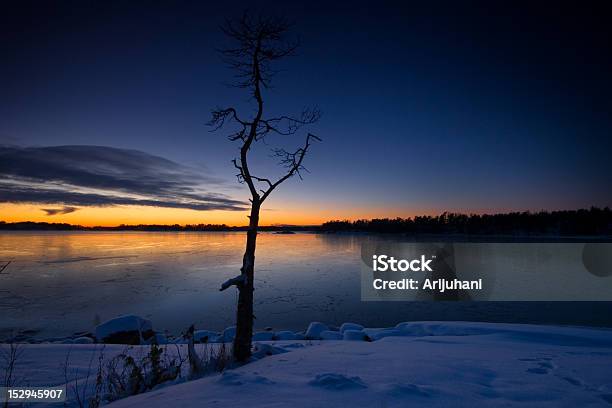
<point x="475" y="108"/>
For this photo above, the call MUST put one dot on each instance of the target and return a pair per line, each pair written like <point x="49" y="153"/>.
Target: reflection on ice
<point x="63" y="282"/>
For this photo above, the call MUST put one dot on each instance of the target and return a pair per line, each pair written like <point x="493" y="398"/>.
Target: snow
<point x="314" y="330"/>
<point x="437" y="364"/>
<point x="330" y="335"/>
<point x="287" y="335"/>
<point x="357" y="335"/>
<point x="236" y="378"/>
<point x="350" y="326"/>
<point x="205" y="336"/>
<point x="333" y="381"/>
<point x="261" y="350"/>
<point x="228" y="335"/>
<point x="381" y="334"/>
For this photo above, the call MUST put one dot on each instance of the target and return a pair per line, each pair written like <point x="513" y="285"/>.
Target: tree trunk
<point x="244" y="315"/>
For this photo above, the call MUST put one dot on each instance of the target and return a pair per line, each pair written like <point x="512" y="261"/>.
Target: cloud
<point x="55" y="211"/>
<point x="104" y="176"/>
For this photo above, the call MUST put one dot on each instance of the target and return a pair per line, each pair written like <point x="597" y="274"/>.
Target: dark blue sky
<point x="471" y="108"/>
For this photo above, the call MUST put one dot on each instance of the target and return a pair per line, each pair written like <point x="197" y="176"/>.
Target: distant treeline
<point x="594" y="221"/>
<point x="47" y="226"/>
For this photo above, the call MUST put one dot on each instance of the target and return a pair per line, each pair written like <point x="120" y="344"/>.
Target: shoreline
<point x="226" y="335"/>
<point x="437" y="364"/>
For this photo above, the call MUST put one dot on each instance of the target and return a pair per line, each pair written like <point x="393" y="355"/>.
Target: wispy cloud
<point x="63" y="210"/>
<point x="104" y="176"/>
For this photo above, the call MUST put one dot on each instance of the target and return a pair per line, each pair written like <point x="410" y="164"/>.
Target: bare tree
<point x="259" y="43"/>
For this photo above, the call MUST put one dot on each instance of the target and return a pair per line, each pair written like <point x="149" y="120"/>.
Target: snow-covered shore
<point x="433" y="363"/>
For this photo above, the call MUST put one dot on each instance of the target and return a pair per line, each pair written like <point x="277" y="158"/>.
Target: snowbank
<point x="228" y="335"/>
<point x="450" y="364"/>
<point x="315" y="329"/>
<point x="287" y="335"/>
<point x="435" y="364"/>
<point x="350" y="326"/>
<point x="355" y="335"/>
<point x="330" y="335"/>
<point x="205" y="336"/>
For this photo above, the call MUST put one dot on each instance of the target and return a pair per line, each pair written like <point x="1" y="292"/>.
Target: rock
<point x="331" y="335"/>
<point x="127" y="329"/>
<point x="263" y="336"/>
<point x="159" y="338"/>
<point x="355" y="335"/>
<point x="285" y="335"/>
<point x="350" y="326"/>
<point x="228" y="335"/>
<point x="315" y="329"/>
<point x="205" y="336"/>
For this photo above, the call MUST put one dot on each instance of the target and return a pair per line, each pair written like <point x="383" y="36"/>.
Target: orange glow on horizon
<point x="132" y="215"/>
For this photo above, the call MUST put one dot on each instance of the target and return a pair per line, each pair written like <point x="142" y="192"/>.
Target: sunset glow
<point x="131" y="215"/>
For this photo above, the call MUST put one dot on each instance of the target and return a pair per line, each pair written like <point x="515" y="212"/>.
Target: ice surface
<point x="173" y="280"/>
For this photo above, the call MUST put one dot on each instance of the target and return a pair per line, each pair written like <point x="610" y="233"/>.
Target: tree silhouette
<point x="258" y="44"/>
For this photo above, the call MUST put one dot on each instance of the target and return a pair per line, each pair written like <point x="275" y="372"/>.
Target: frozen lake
<point x="63" y="282"/>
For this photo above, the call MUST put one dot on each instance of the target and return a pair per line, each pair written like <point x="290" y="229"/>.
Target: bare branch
<point x="240" y="175"/>
<point x="292" y="161"/>
<point x="262" y="179"/>
<point x="287" y="125"/>
<point x="219" y="117"/>
<point x="236" y="281"/>
<point x="257" y="43"/>
<point x="256" y="35"/>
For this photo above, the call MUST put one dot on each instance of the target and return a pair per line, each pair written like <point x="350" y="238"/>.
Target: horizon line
<point x="471" y="214"/>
